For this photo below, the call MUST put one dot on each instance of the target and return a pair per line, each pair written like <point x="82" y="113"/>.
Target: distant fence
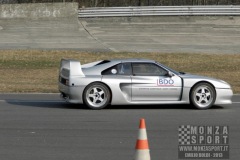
<point x="226" y="10"/>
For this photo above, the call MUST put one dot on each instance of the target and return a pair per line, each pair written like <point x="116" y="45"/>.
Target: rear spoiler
<point x="69" y="67"/>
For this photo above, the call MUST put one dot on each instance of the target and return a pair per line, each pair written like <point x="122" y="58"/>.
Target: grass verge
<point x="37" y="71"/>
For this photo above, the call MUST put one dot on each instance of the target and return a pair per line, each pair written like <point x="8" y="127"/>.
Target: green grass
<point x="37" y="71"/>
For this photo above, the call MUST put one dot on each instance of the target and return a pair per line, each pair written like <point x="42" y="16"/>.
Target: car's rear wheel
<point x="96" y="96"/>
<point x="203" y="96"/>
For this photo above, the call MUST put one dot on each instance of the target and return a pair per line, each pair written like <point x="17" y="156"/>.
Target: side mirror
<point x="114" y="71"/>
<point x="170" y="74"/>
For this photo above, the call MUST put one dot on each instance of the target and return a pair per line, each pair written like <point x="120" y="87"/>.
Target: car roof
<point x="132" y="60"/>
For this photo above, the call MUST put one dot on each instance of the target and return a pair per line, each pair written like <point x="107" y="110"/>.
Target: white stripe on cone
<point x="142" y="155"/>
<point x="142" y="135"/>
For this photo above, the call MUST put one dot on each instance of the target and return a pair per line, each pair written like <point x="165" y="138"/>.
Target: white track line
<point x="37" y="101"/>
<point x="26" y="101"/>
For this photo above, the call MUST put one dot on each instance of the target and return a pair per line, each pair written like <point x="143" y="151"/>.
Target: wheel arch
<point x="202" y="82"/>
<point x="101" y="83"/>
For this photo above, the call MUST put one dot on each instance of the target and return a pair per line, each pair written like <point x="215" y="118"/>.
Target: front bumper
<point x="224" y="96"/>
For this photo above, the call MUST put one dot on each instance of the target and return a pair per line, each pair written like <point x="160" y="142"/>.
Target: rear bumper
<point x="71" y="94"/>
<point x="224" y="96"/>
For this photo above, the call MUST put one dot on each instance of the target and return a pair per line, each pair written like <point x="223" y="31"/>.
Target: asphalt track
<point x="174" y="34"/>
<point x="168" y="34"/>
<point x="41" y="126"/>
<point x="46" y="34"/>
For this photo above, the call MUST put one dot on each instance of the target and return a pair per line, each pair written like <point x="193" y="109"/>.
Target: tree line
<point x="119" y="3"/>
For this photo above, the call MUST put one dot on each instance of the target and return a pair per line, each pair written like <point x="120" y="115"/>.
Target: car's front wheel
<point x="203" y="96"/>
<point x="96" y="96"/>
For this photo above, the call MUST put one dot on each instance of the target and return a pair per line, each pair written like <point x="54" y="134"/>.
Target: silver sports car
<point x="137" y="81"/>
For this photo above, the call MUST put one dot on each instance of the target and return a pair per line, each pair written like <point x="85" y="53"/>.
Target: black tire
<point x="203" y="96"/>
<point x="96" y="96"/>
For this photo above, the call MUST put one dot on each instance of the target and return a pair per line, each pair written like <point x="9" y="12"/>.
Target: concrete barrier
<point x="39" y="10"/>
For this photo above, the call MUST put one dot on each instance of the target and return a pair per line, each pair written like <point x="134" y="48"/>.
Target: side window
<point x="119" y="69"/>
<point x="125" y="69"/>
<point x="110" y="71"/>
<point x="148" y="69"/>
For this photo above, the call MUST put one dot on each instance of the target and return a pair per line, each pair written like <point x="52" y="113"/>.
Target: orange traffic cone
<point x="142" y="148"/>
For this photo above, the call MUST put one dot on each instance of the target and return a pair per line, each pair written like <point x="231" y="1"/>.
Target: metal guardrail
<point x="224" y="10"/>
